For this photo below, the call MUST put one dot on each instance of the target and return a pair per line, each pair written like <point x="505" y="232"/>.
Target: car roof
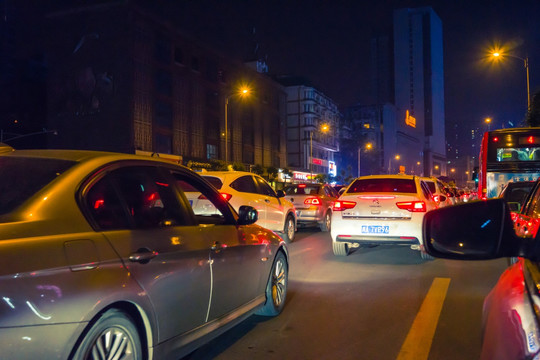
<point x="79" y="155"/>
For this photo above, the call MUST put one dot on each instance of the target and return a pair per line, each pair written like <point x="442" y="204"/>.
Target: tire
<point x="425" y="256"/>
<point x="327" y="222"/>
<point x="98" y="343"/>
<point x="276" y="289"/>
<point x="289" y="230"/>
<point x="340" y="248"/>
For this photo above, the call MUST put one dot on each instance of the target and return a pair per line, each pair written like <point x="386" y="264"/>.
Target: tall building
<point x="312" y="128"/>
<point x="419" y="89"/>
<point x="122" y="78"/>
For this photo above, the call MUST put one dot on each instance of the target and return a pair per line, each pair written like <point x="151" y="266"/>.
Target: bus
<point x="508" y="155"/>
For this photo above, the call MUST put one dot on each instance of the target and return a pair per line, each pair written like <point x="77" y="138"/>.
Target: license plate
<point x="375" y="229"/>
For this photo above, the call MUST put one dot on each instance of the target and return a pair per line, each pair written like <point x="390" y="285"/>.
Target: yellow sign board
<point x="410" y="120"/>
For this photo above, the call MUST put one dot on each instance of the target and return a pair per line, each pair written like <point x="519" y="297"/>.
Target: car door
<point x="237" y="261"/>
<point x="164" y="250"/>
<point x="275" y="211"/>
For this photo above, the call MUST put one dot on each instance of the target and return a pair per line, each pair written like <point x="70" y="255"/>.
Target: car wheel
<point x="425" y="256"/>
<point x="327" y="222"/>
<point x="289" y="230"/>
<point x="340" y="248"/>
<point x="276" y="289"/>
<point x="113" y="336"/>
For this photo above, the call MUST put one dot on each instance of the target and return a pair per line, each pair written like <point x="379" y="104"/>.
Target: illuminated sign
<point x="332" y="169"/>
<point x="300" y="176"/>
<point x="317" y="161"/>
<point x="402" y="169"/>
<point x="410" y="120"/>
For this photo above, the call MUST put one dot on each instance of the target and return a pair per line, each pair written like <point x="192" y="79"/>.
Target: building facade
<point x="123" y="79"/>
<point x="312" y="128"/>
<point x="419" y="89"/>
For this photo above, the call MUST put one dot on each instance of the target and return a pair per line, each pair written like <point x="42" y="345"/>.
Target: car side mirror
<point x="247" y="215"/>
<point x="280" y="193"/>
<point x="442" y="198"/>
<point x="479" y="230"/>
<point x="514" y="206"/>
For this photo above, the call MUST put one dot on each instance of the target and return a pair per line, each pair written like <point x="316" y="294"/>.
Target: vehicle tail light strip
<point x="313" y="201"/>
<point x="412" y="206"/>
<point x="341" y="205"/>
<point x="226" y="196"/>
<point x="379" y="197"/>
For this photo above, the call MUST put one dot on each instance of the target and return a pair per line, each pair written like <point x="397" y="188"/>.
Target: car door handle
<point x="143" y="255"/>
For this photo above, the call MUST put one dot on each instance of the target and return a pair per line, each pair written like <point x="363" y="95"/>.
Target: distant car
<point x="102" y="257"/>
<point x="436" y="189"/>
<point x="381" y="210"/>
<point x="244" y="188"/>
<point x="515" y="193"/>
<point x="313" y="203"/>
<point x="483" y="230"/>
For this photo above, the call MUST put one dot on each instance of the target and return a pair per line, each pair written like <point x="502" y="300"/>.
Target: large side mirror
<point x="478" y="230"/>
<point x="442" y="198"/>
<point x="247" y="215"/>
<point x="514" y="206"/>
<point x="280" y="193"/>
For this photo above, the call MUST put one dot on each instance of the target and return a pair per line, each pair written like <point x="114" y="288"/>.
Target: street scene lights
<point x="488" y="122"/>
<point x="323" y="129"/>
<point x="368" y="146"/>
<point x="242" y="92"/>
<point x="501" y="55"/>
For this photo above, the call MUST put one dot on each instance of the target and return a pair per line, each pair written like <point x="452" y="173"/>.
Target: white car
<point x="381" y="210"/>
<point x="244" y="188"/>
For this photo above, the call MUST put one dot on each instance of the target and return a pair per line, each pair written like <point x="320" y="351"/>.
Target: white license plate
<point x="375" y="229"/>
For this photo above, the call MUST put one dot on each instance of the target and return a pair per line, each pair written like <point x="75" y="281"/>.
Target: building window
<point x="163" y="144"/>
<point x="163" y="83"/>
<point x="162" y="51"/>
<point x="163" y="115"/>
<point x="195" y="66"/>
<point x="178" y="56"/>
<point x="211" y="151"/>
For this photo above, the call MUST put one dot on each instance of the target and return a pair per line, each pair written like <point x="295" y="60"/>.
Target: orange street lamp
<point x="242" y="92"/>
<point x="500" y="55"/>
<point x="324" y="129"/>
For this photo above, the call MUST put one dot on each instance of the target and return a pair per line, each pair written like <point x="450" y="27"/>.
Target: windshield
<point x="302" y="190"/>
<point x="23" y="177"/>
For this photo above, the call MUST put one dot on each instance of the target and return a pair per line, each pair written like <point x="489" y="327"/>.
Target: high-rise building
<point x="419" y="88"/>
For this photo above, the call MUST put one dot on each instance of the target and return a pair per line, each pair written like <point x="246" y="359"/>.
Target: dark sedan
<point x="103" y="256"/>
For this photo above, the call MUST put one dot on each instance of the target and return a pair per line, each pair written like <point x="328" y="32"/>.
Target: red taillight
<point x="341" y="205"/>
<point x="202" y="197"/>
<point x="312" y="201"/>
<point x="226" y="196"/>
<point x="378" y="197"/>
<point x="412" y="206"/>
<point x="436" y="198"/>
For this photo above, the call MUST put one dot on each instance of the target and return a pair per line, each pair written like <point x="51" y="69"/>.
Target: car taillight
<point x="226" y="196"/>
<point x="412" y="206"/>
<point x="436" y="198"/>
<point x="341" y="205"/>
<point x="312" y="201"/>
<point x="202" y="197"/>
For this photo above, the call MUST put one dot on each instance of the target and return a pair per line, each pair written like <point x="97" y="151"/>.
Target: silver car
<point x="102" y="253"/>
<point x="313" y="203"/>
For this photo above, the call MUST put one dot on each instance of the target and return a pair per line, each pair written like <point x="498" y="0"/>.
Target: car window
<point x="533" y="208"/>
<point x="383" y="185"/>
<point x="105" y="207"/>
<point x="302" y="190"/>
<point x="330" y="191"/>
<point x="264" y="188"/>
<point x="26" y="177"/>
<point x="431" y="186"/>
<point x="205" y="204"/>
<point x="426" y="190"/>
<point x="244" y="184"/>
<point x="215" y="181"/>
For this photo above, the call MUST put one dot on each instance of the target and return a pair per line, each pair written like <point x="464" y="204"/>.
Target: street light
<point x="488" y="122"/>
<point x="367" y="147"/>
<point x="397" y="157"/>
<point x="500" y="55"/>
<point x="242" y="92"/>
<point x="324" y="129"/>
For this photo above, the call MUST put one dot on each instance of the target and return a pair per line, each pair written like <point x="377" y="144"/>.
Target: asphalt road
<point x="377" y="303"/>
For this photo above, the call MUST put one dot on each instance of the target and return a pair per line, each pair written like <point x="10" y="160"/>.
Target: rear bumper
<point x="379" y="240"/>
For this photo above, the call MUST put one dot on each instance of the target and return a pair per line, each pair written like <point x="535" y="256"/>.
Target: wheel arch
<point x="141" y="322"/>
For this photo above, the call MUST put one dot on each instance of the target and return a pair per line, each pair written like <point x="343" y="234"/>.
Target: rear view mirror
<point x="478" y="230"/>
<point x="514" y="206"/>
<point x="247" y="215"/>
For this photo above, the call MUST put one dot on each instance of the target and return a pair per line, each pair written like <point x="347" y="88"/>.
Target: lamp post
<point x="397" y="157"/>
<point x="324" y="129"/>
<point x="525" y="60"/>
<point x="488" y="122"/>
<point x="244" y="91"/>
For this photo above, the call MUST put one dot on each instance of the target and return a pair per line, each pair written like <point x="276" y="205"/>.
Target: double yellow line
<point x="418" y="341"/>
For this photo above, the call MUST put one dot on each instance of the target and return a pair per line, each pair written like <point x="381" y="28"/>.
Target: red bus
<point x="508" y="155"/>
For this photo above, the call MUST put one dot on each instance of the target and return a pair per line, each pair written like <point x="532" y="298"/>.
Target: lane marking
<point x="420" y="336"/>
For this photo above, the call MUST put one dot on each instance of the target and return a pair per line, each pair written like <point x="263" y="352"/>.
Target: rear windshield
<point x="302" y="189"/>
<point x="383" y="185"/>
<point x="215" y="181"/>
<point x="23" y="177"/>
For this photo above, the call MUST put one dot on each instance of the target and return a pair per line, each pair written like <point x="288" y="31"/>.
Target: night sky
<point x="328" y="43"/>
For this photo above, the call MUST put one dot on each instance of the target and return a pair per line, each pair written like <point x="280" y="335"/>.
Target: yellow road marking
<point x="418" y="341"/>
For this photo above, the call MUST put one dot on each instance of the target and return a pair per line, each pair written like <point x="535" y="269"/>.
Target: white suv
<point x="244" y="188"/>
<point x="381" y="209"/>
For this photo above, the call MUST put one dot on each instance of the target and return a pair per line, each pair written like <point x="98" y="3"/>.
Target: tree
<point x="533" y="117"/>
<point x="321" y="178"/>
<point x="272" y="172"/>
<point x="258" y="169"/>
<point x="239" y="166"/>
